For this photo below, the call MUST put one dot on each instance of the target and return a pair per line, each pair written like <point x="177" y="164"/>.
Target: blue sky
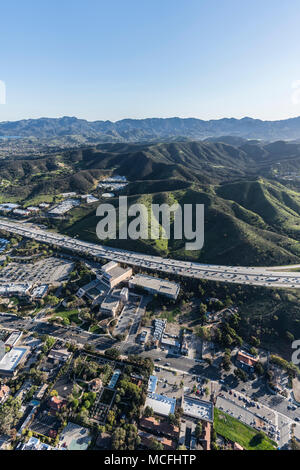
<point x="98" y="59"/>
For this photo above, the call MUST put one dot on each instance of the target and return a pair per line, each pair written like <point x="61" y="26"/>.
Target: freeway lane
<point x="259" y="276"/>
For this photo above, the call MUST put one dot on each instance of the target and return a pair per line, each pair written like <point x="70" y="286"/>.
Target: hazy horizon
<point x="150" y="117"/>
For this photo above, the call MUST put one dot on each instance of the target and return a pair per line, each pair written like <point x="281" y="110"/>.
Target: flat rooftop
<point x="108" y="266"/>
<point x="17" y="289"/>
<point x="161" y="404"/>
<point x="110" y="303"/>
<point x="12" y="359"/>
<point x="40" y="291"/>
<point x="161" y="286"/>
<point x="115" y="271"/>
<point x="196" y="408"/>
<point x="13" y="337"/>
<point x="152" y="383"/>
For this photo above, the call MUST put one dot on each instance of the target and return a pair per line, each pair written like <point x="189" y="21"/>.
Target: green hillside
<point x="251" y="217"/>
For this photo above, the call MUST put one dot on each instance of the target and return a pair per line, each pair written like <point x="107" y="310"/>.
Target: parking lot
<point x="255" y="414"/>
<point x="44" y="271"/>
<point x="174" y="386"/>
<point x="127" y="317"/>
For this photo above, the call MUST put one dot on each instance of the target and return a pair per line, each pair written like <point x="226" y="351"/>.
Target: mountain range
<point x="152" y="129"/>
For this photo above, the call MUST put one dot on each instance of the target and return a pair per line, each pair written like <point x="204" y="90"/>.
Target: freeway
<point x="259" y="276"/>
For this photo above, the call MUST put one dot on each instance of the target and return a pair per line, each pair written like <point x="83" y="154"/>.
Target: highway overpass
<point x="271" y="277"/>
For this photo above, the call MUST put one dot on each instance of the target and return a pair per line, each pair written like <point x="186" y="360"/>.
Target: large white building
<point x="112" y="274"/>
<point x="11" y="360"/>
<point x="198" y="409"/>
<point x="12" y="289"/>
<point x="155" y="285"/>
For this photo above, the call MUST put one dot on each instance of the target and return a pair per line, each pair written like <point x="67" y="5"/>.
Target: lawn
<point x="235" y="431"/>
<point x="71" y="315"/>
<point x="96" y="329"/>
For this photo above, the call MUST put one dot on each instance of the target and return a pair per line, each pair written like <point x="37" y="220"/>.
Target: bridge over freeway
<point x="259" y="276"/>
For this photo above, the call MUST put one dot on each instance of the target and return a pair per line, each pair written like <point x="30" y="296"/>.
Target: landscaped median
<point x="235" y="431"/>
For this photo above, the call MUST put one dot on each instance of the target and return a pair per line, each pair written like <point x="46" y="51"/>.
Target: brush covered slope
<point x="252" y="216"/>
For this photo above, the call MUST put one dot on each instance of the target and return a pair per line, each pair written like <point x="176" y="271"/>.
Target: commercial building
<point x="21" y="212"/>
<point x="172" y="344"/>
<point x="110" y="306"/>
<point x="61" y="355"/>
<point x="64" y="207"/>
<point x="20" y="290"/>
<point x="11" y="360"/>
<point x="70" y="194"/>
<point x="89" y="198"/>
<point x="143" y="337"/>
<point x="161" y="404"/>
<point x="159" y="328"/>
<point x="152" y="384"/>
<point x="198" y="409"/>
<point x="115" y="183"/>
<point x="33" y="209"/>
<point x="155" y="285"/>
<point x="13" y="338"/>
<point x="124" y="295"/>
<point x="8" y="207"/>
<point x="40" y="291"/>
<point x="112" y="274"/>
<point x="93" y="290"/>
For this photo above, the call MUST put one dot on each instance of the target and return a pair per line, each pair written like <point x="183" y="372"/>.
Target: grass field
<point x="69" y="315"/>
<point x="235" y="431"/>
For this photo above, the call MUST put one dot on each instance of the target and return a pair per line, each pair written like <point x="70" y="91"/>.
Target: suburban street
<point x="272" y="408"/>
<point x="69" y="334"/>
